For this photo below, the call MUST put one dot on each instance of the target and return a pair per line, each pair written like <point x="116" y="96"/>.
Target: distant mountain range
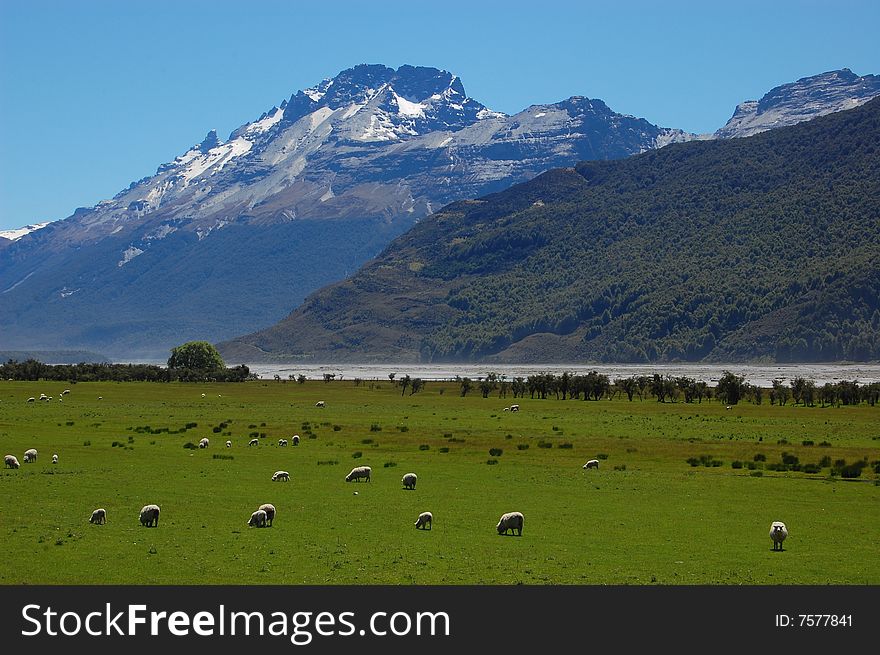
<point x="231" y="235"/>
<point x="759" y="248"/>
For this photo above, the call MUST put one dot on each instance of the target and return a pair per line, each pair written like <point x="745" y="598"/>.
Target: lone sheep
<point x="11" y="461"/>
<point x="295" y="440"/>
<point x="592" y="464"/>
<point x="320" y="403"/>
<point x="30" y="455"/>
<point x="99" y="516"/>
<point x="150" y="516"/>
<point x="778" y="533"/>
<point x="359" y="472"/>
<point x="258" y="519"/>
<point x="228" y="444"/>
<point x="282" y="443"/>
<point x="203" y="442"/>
<point x="54" y="459"/>
<point x="253" y="442"/>
<point x="409" y="481"/>
<point x="510" y="521"/>
<point x="425" y="521"/>
<point x="514" y="408"/>
<point x="284" y="476"/>
<point x="32" y="399"/>
<point x="270" y="512"/>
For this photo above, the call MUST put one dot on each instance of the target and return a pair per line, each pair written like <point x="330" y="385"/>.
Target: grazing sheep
<point x="30" y="455"/>
<point x="270" y="512"/>
<point x="203" y="442"/>
<point x="258" y="519"/>
<point x="359" y="472"/>
<point x="228" y="444"/>
<point x="425" y="519"/>
<point x="514" y="408"/>
<point x="65" y="392"/>
<point x="44" y="396"/>
<point x="507" y="409"/>
<point x="409" y="480"/>
<point x="592" y="464"/>
<point x="32" y="399"/>
<point x="510" y="521"/>
<point x="54" y="459"/>
<point x="100" y="397"/>
<point x="295" y="440"/>
<point x="11" y="461"/>
<point x="778" y="533"/>
<point x="282" y="443"/>
<point x="253" y="442"/>
<point x="283" y="476"/>
<point x="150" y="516"/>
<point x="99" y="516"/>
<point x="320" y="403"/>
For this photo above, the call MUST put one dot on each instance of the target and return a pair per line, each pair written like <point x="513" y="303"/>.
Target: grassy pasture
<point x="645" y="516"/>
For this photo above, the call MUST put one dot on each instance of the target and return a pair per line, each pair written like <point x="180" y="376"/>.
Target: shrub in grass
<point x="447" y="435"/>
<point x="555" y="428"/>
<point x="69" y="423"/>
<point x="189" y="444"/>
<point x="357" y="454"/>
<point x="403" y="428"/>
<point x="262" y="425"/>
<point x="825" y="444"/>
<point x="783" y="441"/>
<point x="825" y="462"/>
<point x="851" y="471"/>
<point x="262" y="434"/>
<point x="190" y="426"/>
<point x="87" y="443"/>
<point x="716" y="463"/>
<point x="751" y="466"/>
<point x="444" y="449"/>
<point x="253" y="435"/>
<point x="789" y="460"/>
<point x="811" y="468"/>
<point x="544" y="444"/>
<point x="252" y="426"/>
<point x="337" y="428"/>
<point x="522" y="446"/>
<point x="756" y="474"/>
<point x="389" y="465"/>
<point x="375" y="427"/>
<point x="602" y="456"/>
<point x="621" y="467"/>
<point x="807" y="442"/>
<point x="311" y="435"/>
<point x="456" y="439"/>
<point x="217" y="456"/>
<point x="491" y="461"/>
<point x="736" y="464"/>
<point x="216" y="429"/>
<point x="508" y="436"/>
<point x="424" y="446"/>
<point x="839" y="463"/>
<point x="495" y="452"/>
<point x="760" y="457"/>
<point x="566" y="445"/>
<point x="876" y="467"/>
<point x="366" y="441"/>
<point x="130" y="439"/>
<point x="306" y="425"/>
<point x="328" y="462"/>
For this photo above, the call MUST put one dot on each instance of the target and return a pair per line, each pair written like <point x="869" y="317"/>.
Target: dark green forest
<point x="764" y="248"/>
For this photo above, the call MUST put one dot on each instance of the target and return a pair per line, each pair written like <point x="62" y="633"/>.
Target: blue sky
<point x="97" y="93"/>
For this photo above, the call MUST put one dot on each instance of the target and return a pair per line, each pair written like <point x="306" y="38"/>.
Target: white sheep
<point x="320" y="403"/>
<point x="270" y="512"/>
<point x="295" y="440"/>
<point x="258" y="519"/>
<point x="359" y="472"/>
<point x="778" y="533"/>
<point x="425" y="519"/>
<point x="55" y="459"/>
<point x="11" y="461"/>
<point x="283" y="476"/>
<point x="282" y="443"/>
<point x="30" y="455"/>
<point x="203" y="442"/>
<point x="32" y="399"/>
<point x="409" y="480"/>
<point x="514" y="408"/>
<point x="150" y="516"/>
<point x="99" y="516"/>
<point x="507" y="409"/>
<point x="65" y="392"/>
<point x="253" y="442"/>
<point x="510" y="521"/>
<point x="228" y="443"/>
<point x="44" y="396"/>
<point x="592" y="464"/>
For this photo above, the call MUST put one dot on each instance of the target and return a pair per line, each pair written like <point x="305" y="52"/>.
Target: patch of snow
<point x="128" y="254"/>
<point x="15" y="235"/>
<point x="488" y="113"/>
<point x="314" y="94"/>
<point x="217" y="157"/>
<point x="258" y="127"/>
<point x="65" y="292"/>
<point x="445" y="142"/>
<point x="541" y="113"/>
<point x="328" y="194"/>
<point x="319" y="116"/>
<point x="351" y="111"/>
<point x="160" y="232"/>
<point x="407" y="108"/>
<point x="8" y="289"/>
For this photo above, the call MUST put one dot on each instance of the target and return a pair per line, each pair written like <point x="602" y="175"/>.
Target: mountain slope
<point x="765" y="247"/>
<point x="231" y="234"/>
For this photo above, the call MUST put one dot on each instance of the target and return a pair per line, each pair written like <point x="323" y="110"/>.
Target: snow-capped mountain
<point x="15" y="235"/>
<point x="234" y="232"/>
<point x="230" y="234"/>
<point x="800" y="101"/>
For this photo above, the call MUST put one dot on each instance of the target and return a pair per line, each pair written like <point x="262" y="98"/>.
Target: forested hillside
<point x="761" y="248"/>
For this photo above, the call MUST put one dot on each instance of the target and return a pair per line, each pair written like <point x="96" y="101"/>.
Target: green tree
<point x="196" y="355"/>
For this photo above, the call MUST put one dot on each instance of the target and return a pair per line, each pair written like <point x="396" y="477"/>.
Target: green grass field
<point x="644" y="517"/>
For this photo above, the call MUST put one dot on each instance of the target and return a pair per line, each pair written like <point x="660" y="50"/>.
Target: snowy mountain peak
<point x="802" y="100"/>
<point x="15" y="235"/>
